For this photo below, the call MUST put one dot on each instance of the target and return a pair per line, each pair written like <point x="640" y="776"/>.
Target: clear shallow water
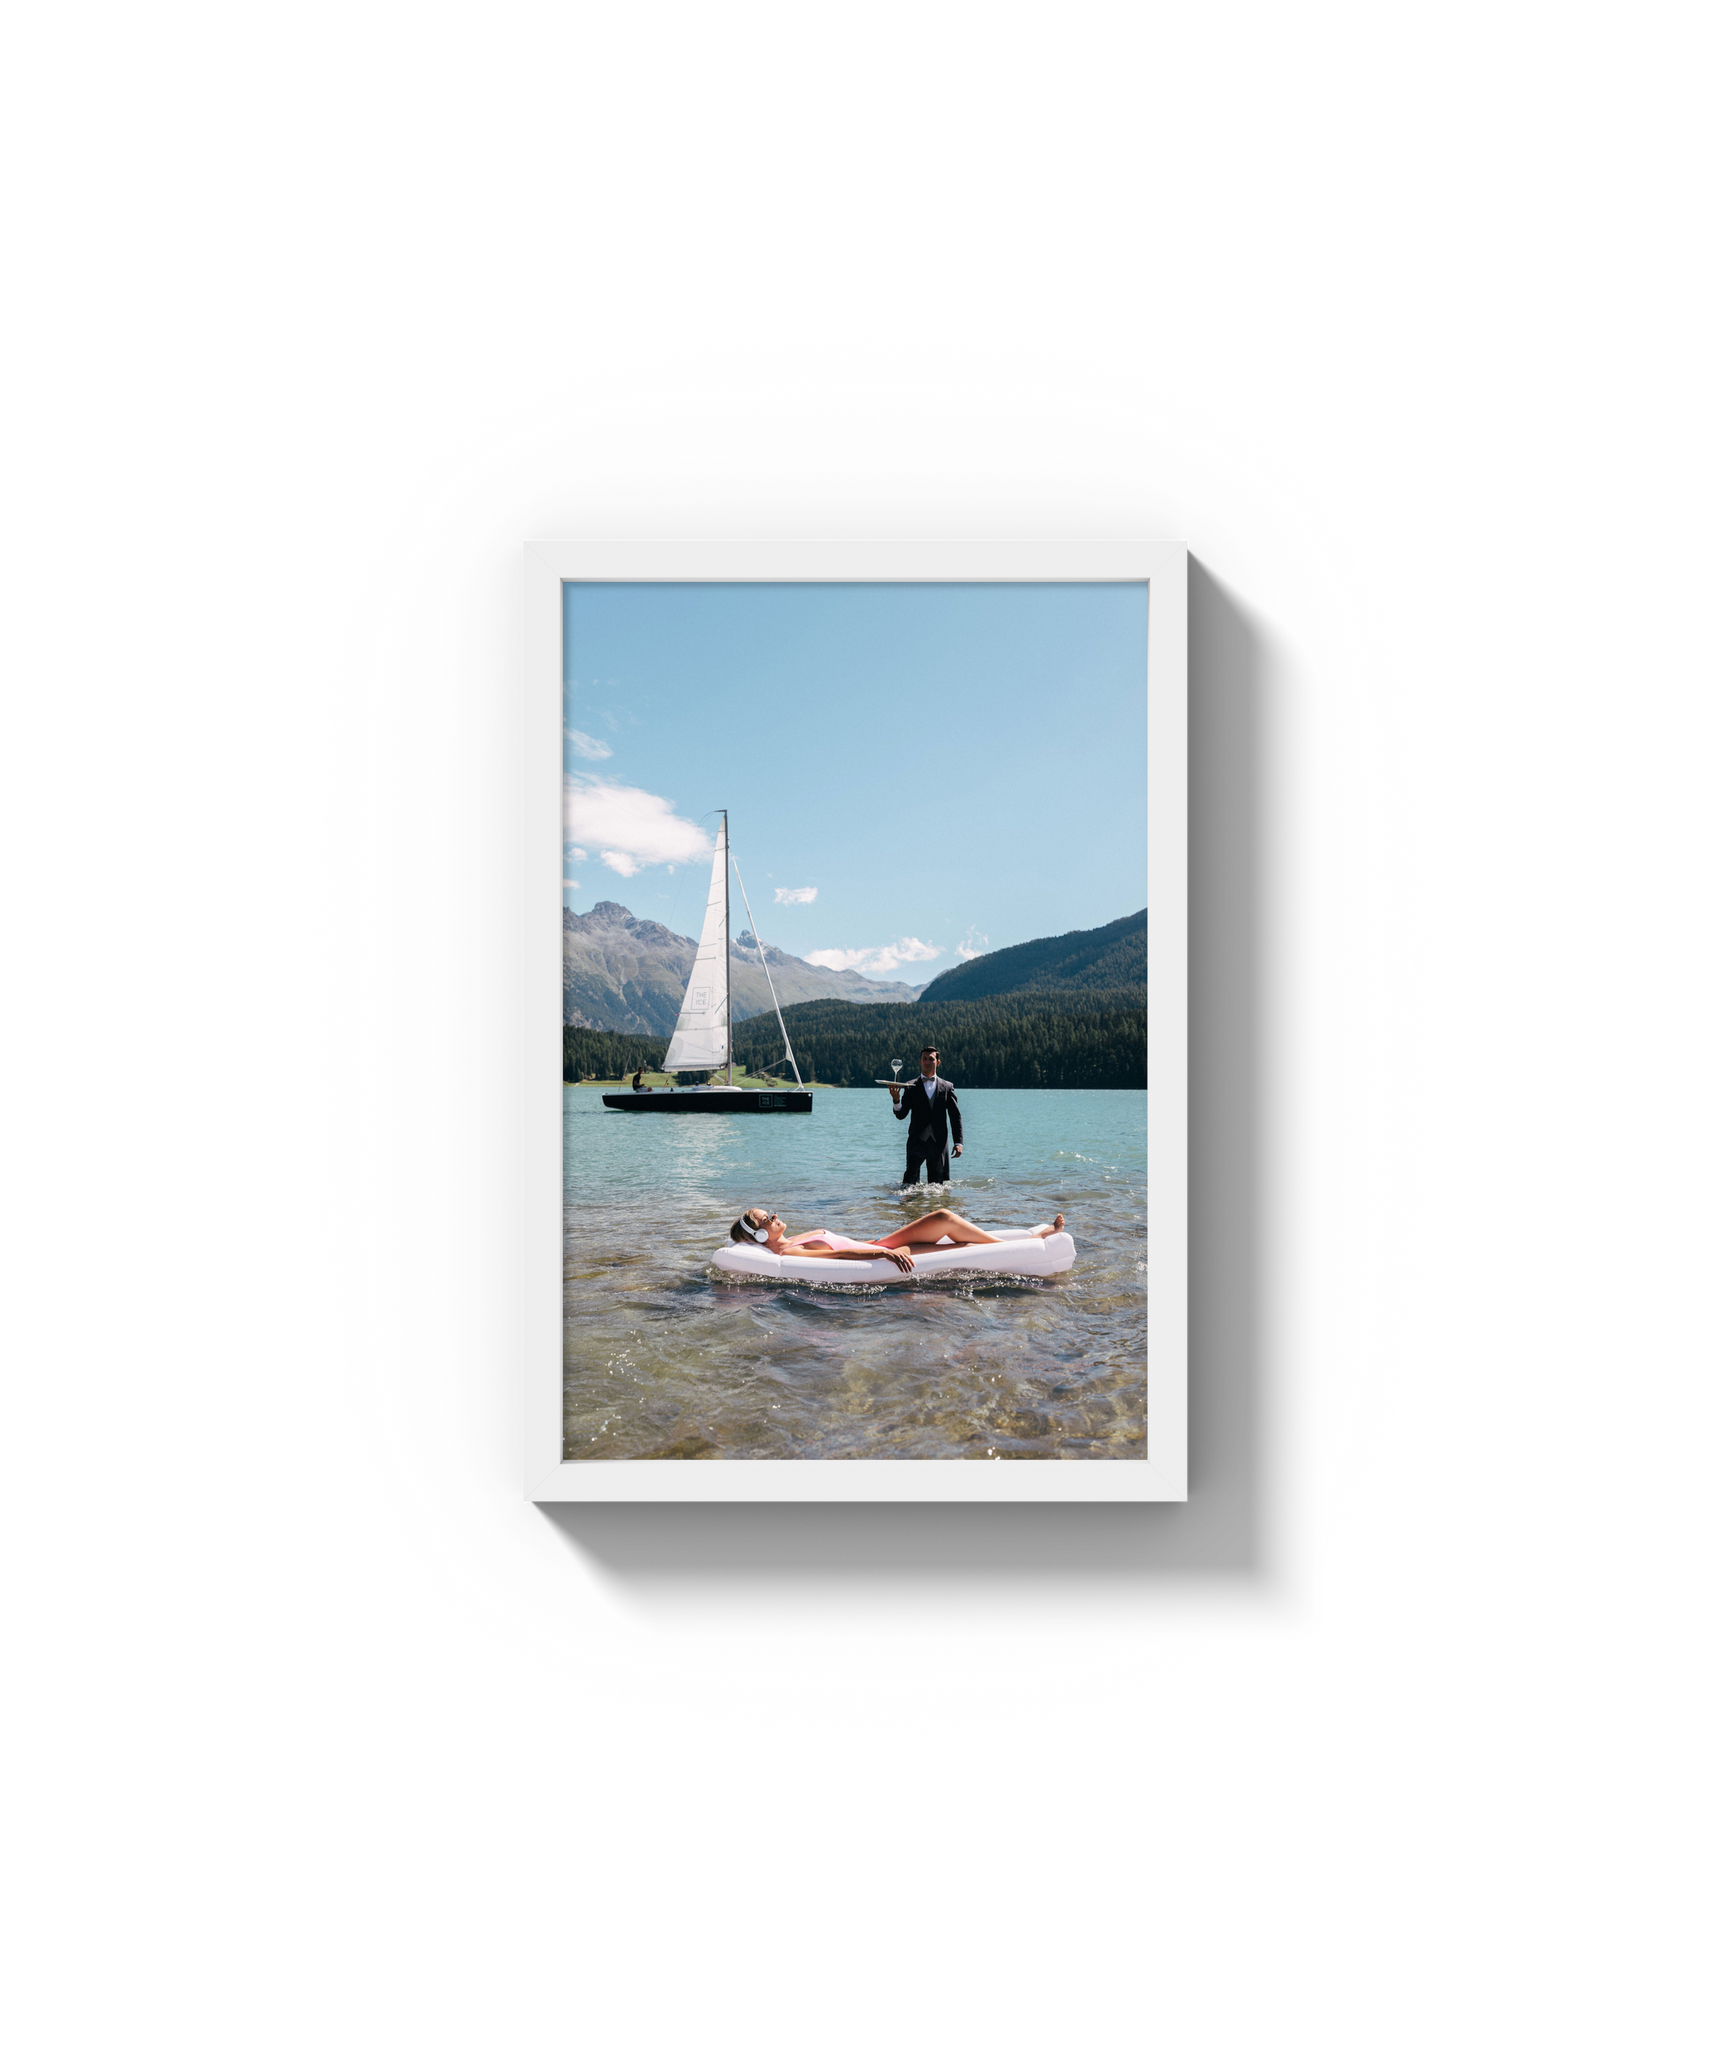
<point x="667" y="1357"/>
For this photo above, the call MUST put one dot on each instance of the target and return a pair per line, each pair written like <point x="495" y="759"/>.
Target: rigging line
<point x="765" y="958"/>
<point x="773" y="1064"/>
<point x="728" y="949"/>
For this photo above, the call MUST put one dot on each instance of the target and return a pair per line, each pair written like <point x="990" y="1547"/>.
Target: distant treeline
<point x="1077" y="1038"/>
<point x="608" y="1054"/>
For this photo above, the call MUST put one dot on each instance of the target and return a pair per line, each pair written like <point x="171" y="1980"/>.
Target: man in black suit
<point x="931" y="1104"/>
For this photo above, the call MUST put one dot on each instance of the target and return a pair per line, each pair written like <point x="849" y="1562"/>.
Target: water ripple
<point x="667" y="1357"/>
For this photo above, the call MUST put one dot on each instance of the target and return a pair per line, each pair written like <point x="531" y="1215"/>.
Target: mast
<point x="727" y="950"/>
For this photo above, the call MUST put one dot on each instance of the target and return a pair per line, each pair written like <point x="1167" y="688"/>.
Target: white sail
<point x="701" y="1032"/>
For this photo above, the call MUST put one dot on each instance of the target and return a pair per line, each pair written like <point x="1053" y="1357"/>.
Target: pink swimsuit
<point x="831" y="1241"/>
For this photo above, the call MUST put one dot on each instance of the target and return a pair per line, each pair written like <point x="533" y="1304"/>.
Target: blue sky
<point x="914" y="773"/>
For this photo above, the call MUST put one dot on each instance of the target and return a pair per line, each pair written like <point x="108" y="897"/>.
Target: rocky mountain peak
<point x="626" y="973"/>
<point x="613" y="919"/>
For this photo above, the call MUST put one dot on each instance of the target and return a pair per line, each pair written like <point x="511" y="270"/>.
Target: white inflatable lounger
<point x="1032" y="1258"/>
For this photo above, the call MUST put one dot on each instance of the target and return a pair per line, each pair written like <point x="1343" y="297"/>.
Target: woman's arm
<point x="861" y="1251"/>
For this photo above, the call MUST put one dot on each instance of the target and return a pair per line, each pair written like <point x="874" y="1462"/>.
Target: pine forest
<point x="1076" y="1038"/>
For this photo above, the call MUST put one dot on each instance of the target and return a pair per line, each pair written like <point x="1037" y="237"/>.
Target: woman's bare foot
<point x="1049" y="1229"/>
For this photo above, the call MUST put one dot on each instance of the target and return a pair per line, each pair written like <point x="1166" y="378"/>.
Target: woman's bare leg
<point x="945" y="1223"/>
<point x="925" y="1230"/>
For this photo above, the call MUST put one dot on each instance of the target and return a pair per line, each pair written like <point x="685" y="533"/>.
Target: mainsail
<point x="700" y="1038"/>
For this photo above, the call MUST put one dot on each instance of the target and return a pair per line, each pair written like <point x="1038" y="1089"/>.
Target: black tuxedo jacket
<point x="933" y="1109"/>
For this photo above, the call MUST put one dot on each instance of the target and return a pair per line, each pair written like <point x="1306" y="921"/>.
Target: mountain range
<point x="626" y="973"/>
<point x="1110" y="956"/>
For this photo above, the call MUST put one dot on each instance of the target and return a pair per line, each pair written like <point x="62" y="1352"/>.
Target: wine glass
<point x="895" y="1067"/>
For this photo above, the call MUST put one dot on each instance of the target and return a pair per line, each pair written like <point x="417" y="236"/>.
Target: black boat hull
<point x="688" y="1102"/>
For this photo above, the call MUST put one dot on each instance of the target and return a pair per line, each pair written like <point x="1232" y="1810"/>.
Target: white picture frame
<point x="1161" y="1475"/>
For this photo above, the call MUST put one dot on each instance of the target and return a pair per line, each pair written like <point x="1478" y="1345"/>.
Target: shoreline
<point x="658" y="1081"/>
<point x="837" y="1088"/>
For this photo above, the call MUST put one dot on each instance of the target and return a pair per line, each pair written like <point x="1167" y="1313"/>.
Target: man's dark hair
<point x="923" y="1049"/>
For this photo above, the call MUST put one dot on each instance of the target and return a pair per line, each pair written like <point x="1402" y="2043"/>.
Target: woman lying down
<point x="765" y="1227"/>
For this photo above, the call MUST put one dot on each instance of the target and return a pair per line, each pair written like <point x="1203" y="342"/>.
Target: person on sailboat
<point x="764" y="1227"/>
<point x="638" y="1082"/>
<point x="931" y="1104"/>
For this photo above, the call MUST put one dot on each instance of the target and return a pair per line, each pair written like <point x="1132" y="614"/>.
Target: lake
<point x="667" y="1357"/>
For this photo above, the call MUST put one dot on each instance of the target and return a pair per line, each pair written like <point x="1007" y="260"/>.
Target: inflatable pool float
<point x="1019" y="1253"/>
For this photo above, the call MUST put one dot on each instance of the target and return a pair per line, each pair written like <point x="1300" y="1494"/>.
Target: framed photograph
<point x="839" y="1186"/>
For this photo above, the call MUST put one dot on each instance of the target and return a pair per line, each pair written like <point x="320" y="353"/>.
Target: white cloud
<point x="875" y="960"/>
<point x="796" y="895"/>
<point x="628" y="829"/>
<point x="572" y="885"/>
<point x="585" y="747"/>
<point x="974" y="944"/>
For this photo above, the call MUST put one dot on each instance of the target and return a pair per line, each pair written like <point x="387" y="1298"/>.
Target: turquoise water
<point x="666" y="1356"/>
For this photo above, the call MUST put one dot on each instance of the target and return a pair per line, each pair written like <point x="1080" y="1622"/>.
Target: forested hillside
<point x="1079" y="1038"/>
<point x="1111" y="956"/>
<point x="607" y="1054"/>
<point x="1072" y="1038"/>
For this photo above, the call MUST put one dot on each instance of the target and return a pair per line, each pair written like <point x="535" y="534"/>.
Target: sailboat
<point x="703" y="1033"/>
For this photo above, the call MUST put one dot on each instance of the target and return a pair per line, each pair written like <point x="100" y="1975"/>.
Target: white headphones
<point x="762" y="1236"/>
